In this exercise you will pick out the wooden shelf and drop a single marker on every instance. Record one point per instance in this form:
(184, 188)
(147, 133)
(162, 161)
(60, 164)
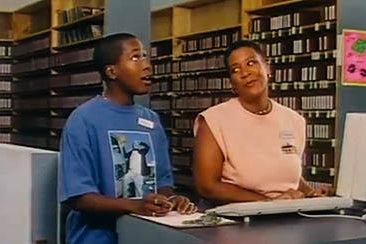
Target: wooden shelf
(74, 44)
(314, 56)
(5, 58)
(163, 39)
(6, 40)
(161, 57)
(202, 52)
(33, 35)
(318, 113)
(95, 18)
(201, 33)
(284, 6)
(287, 32)
(301, 85)
(197, 73)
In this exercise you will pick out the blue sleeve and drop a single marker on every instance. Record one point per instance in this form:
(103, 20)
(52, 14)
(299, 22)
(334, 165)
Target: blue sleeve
(163, 166)
(77, 169)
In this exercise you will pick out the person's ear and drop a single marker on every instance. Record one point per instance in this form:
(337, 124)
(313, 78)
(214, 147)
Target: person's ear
(110, 72)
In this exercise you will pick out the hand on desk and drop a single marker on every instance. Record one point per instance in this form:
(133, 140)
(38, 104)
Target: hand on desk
(182, 204)
(320, 192)
(290, 194)
(156, 205)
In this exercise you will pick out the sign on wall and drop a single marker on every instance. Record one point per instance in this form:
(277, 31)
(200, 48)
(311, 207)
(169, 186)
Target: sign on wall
(354, 57)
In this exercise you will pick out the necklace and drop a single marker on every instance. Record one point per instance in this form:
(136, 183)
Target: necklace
(266, 110)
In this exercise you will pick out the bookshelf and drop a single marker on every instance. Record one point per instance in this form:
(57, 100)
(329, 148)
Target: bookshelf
(188, 65)
(5, 77)
(31, 71)
(76, 26)
(300, 40)
(53, 70)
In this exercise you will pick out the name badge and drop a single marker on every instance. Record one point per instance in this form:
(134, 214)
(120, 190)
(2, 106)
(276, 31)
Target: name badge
(145, 123)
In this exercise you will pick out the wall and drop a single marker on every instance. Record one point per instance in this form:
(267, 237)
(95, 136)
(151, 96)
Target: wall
(11, 5)
(351, 15)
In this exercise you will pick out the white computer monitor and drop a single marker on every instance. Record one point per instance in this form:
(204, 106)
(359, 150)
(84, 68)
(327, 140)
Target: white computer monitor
(352, 168)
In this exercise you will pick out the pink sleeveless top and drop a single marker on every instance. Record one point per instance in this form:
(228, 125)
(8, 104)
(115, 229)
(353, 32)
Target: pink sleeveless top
(262, 153)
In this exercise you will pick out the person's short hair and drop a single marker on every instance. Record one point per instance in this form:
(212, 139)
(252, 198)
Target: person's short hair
(239, 44)
(108, 50)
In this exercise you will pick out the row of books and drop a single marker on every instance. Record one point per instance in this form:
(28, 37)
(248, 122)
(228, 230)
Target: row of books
(288, 101)
(164, 67)
(5, 121)
(30, 85)
(26, 122)
(162, 48)
(323, 131)
(49, 103)
(161, 86)
(294, 32)
(180, 160)
(5, 137)
(194, 102)
(5, 51)
(304, 45)
(180, 123)
(302, 18)
(5, 68)
(80, 33)
(57, 60)
(5, 103)
(5, 86)
(202, 63)
(319, 159)
(160, 104)
(201, 83)
(220, 39)
(73, 14)
(182, 141)
(34, 64)
(321, 102)
(307, 73)
(31, 46)
(317, 102)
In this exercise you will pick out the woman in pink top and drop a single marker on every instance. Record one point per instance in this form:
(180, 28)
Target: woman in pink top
(250, 147)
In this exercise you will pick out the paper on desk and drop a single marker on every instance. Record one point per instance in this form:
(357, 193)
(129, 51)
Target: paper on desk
(174, 219)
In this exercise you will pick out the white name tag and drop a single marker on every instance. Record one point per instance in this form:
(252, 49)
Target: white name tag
(145, 123)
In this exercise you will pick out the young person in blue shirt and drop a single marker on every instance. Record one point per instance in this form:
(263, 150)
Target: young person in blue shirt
(94, 146)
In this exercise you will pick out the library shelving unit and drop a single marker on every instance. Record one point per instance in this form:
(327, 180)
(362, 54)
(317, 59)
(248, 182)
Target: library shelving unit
(188, 66)
(5, 76)
(76, 26)
(300, 41)
(31, 71)
(53, 70)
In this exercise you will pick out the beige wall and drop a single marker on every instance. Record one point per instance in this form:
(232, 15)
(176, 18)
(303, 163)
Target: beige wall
(11, 5)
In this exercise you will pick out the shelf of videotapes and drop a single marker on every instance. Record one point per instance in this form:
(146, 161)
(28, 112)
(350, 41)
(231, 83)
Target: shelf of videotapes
(189, 83)
(31, 71)
(5, 90)
(300, 44)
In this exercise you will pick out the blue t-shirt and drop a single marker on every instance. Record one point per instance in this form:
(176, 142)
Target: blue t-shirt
(112, 150)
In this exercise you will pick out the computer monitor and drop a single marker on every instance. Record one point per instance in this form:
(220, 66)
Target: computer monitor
(352, 168)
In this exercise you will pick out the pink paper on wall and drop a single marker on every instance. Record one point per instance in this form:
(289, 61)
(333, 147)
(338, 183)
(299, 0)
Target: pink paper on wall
(354, 57)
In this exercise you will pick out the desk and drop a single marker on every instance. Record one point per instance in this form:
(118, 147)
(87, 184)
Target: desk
(282, 229)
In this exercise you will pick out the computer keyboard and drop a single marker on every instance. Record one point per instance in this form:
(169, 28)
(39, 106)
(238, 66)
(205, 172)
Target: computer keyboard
(282, 206)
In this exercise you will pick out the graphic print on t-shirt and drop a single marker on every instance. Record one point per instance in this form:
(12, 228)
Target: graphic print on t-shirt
(133, 162)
